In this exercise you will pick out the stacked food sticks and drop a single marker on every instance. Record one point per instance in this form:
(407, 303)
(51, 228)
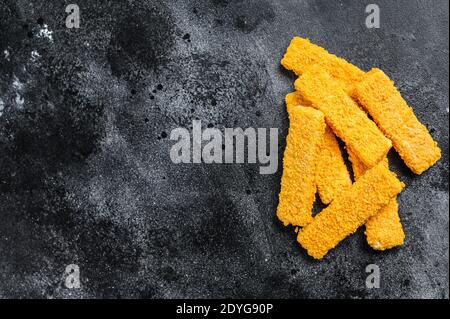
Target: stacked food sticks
(335, 98)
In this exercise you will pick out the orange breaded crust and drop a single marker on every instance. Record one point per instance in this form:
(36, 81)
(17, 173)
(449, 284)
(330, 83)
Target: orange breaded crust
(358, 167)
(332, 176)
(298, 188)
(349, 211)
(301, 54)
(343, 115)
(379, 96)
(384, 230)
(294, 99)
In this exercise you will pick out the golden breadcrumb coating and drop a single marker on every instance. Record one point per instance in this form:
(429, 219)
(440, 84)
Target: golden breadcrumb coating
(295, 98)
(332, 176)
(343, 115)
(301, 54)
(350, 210)
(379, 96)
(298, 189)
(358, 167)
(384, 230)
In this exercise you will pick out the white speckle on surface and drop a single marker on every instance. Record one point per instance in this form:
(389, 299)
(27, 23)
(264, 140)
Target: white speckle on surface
(44, 32)
(6, 54)
(19, 101)
(35, 55)
(17, 84)
(2, 106)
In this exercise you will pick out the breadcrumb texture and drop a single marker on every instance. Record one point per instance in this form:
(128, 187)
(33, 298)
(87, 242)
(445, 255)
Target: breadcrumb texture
(343, 115)
(379, 96)
(350, 210)
(301, 54)
(384, 230)
(298, 188)
(294, 99)
(332, 176)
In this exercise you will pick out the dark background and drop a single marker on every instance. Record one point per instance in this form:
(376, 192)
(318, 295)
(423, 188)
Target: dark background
(85, 173)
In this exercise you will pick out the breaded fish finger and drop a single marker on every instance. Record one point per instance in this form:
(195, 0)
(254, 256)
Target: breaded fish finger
(343, 115)
(298, 188)
(349, 211)
(396, 119)
(384, 230)
(301, 54)
(332, 176)
(294, 99)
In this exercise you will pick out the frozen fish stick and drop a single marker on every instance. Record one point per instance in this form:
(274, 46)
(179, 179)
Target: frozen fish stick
(384, 230)
(378, 95)
(358, 167)
(343, 115)
(301, 54)
(294, 99)
(332, 176)
(298, 188)
(291, 101)
(349, 211)
(331, 173)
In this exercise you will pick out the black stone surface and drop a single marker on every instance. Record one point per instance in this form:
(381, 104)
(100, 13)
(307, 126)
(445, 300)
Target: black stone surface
(85, 173)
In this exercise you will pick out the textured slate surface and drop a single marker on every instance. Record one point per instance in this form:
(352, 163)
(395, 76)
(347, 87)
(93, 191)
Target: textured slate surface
(85, 173)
